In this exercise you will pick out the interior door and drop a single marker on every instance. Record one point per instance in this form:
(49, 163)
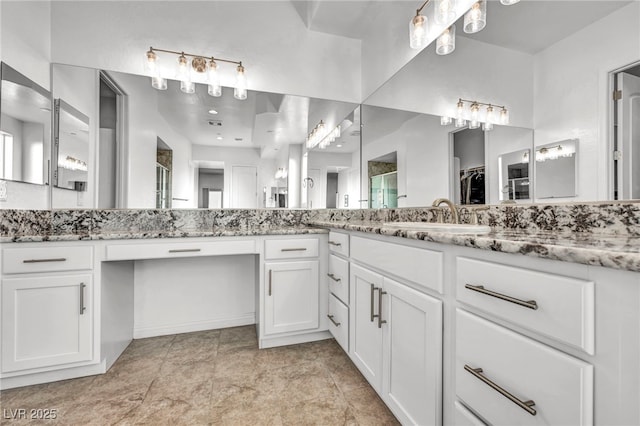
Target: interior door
(628, 122)
(244, 187)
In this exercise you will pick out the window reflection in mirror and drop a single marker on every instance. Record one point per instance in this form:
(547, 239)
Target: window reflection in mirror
(72, 147)
(556, 169)
(514, 172)
(25, 126)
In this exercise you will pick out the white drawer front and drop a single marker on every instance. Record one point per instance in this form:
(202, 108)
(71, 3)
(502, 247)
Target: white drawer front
(188, 249)
(291, 248)
(564, 307)
(339, 243)
(338, 278)
(418, 265)
(339, 322)
(560, 386)
(46, 259)
(464, 417)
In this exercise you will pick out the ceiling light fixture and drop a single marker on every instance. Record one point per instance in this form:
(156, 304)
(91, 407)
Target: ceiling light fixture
(418, 29)
(213, 112)
(199, 64)
(473, 114)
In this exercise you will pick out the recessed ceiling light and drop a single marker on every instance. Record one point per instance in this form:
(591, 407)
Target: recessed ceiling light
(219, 138)
(338, 146)
(213, 112)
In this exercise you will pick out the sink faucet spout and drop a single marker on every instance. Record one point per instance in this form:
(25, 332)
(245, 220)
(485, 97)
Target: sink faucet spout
(452, 207)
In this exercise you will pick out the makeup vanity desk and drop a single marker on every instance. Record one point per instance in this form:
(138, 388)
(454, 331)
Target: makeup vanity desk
(183, 282)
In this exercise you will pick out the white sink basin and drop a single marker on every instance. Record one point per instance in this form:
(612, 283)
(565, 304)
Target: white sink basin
(453, 228)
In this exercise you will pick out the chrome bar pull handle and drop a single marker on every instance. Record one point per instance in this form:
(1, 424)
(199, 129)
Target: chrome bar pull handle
(373, 290)
(56, 259)
(270, 281)
(337, 324)
(184, 250)
(333, 243)
(333, 277)
(525, 405)
(380, 320)
(82, 307)
(531, 304)
(294, 249)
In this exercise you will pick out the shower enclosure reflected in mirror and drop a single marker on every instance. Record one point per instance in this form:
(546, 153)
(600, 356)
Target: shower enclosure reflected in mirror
(72, 147)
(25, 127)
(556, 169)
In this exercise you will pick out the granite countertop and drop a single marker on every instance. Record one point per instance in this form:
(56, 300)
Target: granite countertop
(151, 234)
(618, 251)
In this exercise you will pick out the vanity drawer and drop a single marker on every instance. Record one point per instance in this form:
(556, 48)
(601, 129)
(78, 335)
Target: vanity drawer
(560, 386)
(183, 249)
(338, 278)
(339, 243)
(421, 266)
(339, 322)
(46, 259)
(564, 307)
(291, 248)
(464, 417)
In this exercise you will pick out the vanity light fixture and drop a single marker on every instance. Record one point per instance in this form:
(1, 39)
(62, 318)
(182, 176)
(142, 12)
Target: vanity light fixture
(281, 173)
(444, 11)
(418, 29)
(474, 115)
(476, 18)
(509, 2)
(72, 163)
(554, 152)
(321, 137)
(446, 42)
(190, 65)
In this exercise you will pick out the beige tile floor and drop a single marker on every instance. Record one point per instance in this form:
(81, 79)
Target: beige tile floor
(213, 377)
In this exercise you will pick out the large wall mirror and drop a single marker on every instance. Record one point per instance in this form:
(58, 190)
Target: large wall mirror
(169, 149)
(71, 148)
(552, 64)
(25, 128)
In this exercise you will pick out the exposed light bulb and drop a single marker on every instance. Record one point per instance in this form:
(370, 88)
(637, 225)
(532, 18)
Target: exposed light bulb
(446, 42)
(214, 88)
(490, 115)
(476, 18)
(444, 11)
(504, 116)
(509, 2)
(418, 31)
(460, 110)
(151, 63)
(240, 91)
(445, 121)
(474, 111)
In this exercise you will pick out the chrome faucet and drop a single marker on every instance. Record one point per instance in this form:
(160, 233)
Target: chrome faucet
(452, 207)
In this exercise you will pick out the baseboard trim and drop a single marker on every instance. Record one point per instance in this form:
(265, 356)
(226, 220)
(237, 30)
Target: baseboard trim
(52, 376)
(142, 332)
(273, 342)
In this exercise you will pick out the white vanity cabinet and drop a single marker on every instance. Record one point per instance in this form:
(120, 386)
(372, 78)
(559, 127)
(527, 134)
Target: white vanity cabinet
(47, 308)
(337, 280)
(396, 336)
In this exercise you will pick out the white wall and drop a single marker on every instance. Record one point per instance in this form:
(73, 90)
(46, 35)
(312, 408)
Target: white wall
(422, 147)
(25, 44)
(279, 53)
(572, 93)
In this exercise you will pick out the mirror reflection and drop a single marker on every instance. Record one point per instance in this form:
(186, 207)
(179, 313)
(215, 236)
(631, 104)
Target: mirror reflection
(514, 171)
(556, 169)
(72, 147)
(25, 126)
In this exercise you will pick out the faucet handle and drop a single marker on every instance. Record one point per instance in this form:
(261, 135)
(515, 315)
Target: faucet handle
(474, 213)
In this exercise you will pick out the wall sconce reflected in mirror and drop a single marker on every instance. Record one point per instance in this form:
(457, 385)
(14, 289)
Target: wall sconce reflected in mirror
(474, 115)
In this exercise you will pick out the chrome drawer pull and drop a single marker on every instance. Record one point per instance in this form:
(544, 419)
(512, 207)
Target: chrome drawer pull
(270, 281)
(373, 290)
(184, 250)
(57, 259)
(333, 277)
(294, 249)
(525, 405)
(82, 307)
(337, 324)
(333, 243)
(380, 320)
(531, 304)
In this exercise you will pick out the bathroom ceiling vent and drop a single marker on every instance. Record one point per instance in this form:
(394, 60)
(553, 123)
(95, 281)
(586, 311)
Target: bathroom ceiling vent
(214, 123)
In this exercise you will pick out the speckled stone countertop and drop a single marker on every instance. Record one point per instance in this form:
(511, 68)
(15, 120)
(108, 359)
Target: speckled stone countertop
(618, 251)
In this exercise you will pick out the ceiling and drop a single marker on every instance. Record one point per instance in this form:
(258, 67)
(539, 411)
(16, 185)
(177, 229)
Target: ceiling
(269, 122)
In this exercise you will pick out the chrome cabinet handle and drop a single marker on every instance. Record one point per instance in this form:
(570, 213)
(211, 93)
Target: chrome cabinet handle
(294, 249)
(56, 259)
(531, 304)
(82, 307)
(337, 324)
(333, 243)
(184, 250)
(380, 320)
(333, 277)
(270, 282)
(373, 290)
(525, 405)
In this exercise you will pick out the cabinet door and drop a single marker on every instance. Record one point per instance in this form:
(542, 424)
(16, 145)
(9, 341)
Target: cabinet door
(291, 296)
(365, 335)
(412, 361)
(46, 321)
